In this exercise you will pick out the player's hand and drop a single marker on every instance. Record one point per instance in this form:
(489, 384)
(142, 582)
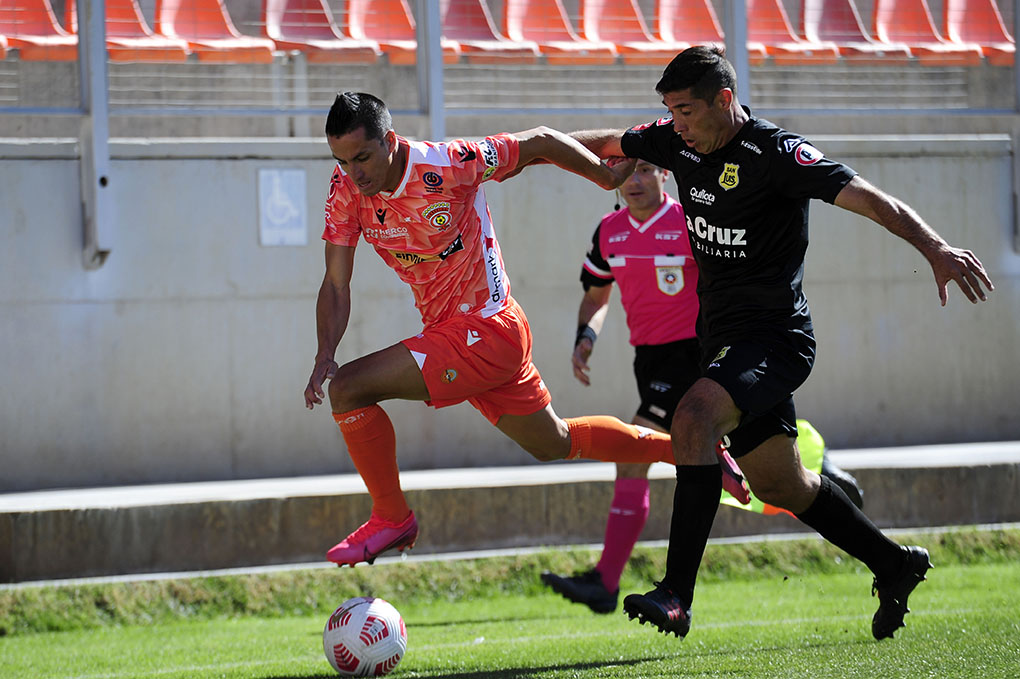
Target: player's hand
(580, 360)
(325, 369)
(949, 263)
(620, 168)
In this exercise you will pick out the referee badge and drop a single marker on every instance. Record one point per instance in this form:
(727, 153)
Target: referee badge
(729, 179)
(670, 278)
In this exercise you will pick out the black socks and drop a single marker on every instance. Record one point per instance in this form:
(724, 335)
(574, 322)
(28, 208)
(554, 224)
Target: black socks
(695, 503)
(840, 522)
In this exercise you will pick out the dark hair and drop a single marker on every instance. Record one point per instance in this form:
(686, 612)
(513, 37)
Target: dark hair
(351, 110)
(703, 69)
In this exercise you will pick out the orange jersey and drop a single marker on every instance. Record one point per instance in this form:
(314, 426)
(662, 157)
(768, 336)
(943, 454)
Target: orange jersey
(435, 229)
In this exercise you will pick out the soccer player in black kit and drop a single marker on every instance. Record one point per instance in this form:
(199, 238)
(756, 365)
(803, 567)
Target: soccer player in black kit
(745, 185)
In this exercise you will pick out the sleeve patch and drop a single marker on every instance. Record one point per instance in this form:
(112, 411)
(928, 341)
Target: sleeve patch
(489, 153)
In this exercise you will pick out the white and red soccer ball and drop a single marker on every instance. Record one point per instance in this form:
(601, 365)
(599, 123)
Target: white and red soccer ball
(365, 637)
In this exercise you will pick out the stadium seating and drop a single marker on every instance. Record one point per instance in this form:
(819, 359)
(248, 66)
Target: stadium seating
(545, 23)
(469, 24)
(979, 21)
(31, 27)
(207, 27)
(838, 21)
(910, 22)
(128, 36)
(391, 24)
(3, 47)
(769, 29)
(622, 23)
(694, 22)
(308, 27)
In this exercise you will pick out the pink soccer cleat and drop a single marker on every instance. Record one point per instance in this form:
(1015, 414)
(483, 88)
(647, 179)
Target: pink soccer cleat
(372, 538)
(732, 478)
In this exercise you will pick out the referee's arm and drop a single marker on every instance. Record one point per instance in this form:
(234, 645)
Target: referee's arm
(947, 262)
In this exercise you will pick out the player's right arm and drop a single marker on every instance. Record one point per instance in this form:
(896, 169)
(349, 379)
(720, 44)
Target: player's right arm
(332, 312)
(592, 314)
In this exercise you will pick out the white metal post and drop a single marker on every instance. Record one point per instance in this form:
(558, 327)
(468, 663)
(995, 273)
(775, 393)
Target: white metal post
(735, 30)
(93, 138)
(430, 68)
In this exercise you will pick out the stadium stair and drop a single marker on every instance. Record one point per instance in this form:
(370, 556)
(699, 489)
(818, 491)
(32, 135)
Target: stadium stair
(215, 525)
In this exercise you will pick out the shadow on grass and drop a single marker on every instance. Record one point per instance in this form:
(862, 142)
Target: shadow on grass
(516, 673)
(484, 621)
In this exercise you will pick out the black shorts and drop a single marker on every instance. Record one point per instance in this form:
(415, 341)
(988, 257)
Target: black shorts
(760, 376)
(664, 373)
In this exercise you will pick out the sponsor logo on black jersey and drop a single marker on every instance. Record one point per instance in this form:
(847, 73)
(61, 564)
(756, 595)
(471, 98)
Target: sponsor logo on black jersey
(806, 154)
(716, 241)
(702, 196)
(791, 144)
(749, 145)
(690, 156)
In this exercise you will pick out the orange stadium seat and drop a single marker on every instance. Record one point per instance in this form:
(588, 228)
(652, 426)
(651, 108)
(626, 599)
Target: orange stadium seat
(837, 21)
(128, 36)
(621, 23)
(910, 22)
(391, 24)
(545, 22)
(210, 32)
(695, 22)
(308, 27)
(31, 27)
(979, 21)
(768, 26)
(469, 24)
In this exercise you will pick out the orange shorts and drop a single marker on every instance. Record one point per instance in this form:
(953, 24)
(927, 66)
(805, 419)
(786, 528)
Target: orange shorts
(484, 361)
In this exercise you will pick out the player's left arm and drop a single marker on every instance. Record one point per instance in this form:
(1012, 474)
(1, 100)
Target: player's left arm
(549, 145)
(947, 262)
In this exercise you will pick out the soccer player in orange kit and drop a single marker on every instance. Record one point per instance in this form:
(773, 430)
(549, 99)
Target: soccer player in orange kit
(420, 205)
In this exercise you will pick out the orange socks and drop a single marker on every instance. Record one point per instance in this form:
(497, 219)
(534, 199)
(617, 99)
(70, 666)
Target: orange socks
(372, 446)
(601, 437)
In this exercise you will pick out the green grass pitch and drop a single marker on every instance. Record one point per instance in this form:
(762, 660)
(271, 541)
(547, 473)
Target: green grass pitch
(773, 622)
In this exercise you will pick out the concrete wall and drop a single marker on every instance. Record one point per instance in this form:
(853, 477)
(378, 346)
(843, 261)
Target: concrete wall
(184, 357)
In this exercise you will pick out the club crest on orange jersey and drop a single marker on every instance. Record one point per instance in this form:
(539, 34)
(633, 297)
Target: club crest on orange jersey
(438, 215)
(729, 178)
(449, 376)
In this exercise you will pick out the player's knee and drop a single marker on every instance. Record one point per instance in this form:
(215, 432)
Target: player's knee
(691, 434)
(345, 392)
(784, 493)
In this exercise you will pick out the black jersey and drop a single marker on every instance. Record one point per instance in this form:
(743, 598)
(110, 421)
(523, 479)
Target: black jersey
(747, 217)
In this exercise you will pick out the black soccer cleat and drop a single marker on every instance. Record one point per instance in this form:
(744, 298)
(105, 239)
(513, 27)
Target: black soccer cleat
(584, 588)
(662, 608)
(892, 594)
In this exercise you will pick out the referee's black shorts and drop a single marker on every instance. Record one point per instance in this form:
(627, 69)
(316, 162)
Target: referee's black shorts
(760, 375)
(664, 373)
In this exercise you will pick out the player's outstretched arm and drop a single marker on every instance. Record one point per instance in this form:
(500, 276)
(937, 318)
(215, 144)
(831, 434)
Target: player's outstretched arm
(544, 143)
(947, 262)
(332, 311)
(603, 143)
